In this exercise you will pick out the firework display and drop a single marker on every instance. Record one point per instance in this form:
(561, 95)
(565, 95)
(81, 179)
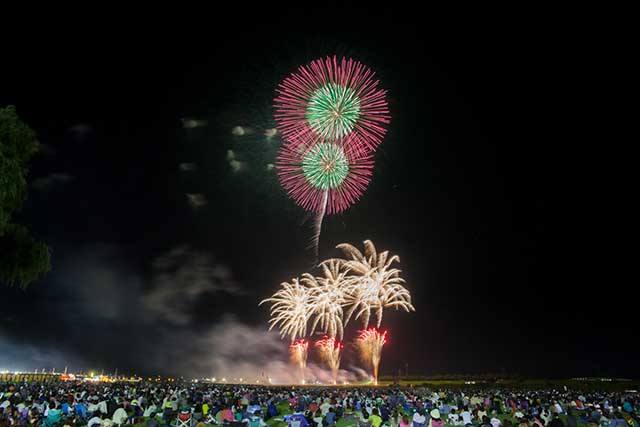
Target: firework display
(299, 353)
(370, 342)
(290, 309)
(358, 285)
(325, 178)
(373, 285)
(327, 299)
(331, 100)
(332, 116)
(329, 349)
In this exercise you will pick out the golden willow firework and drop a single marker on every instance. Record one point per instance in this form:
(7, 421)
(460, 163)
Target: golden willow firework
(327, 299)
(299, 351)
(329, 349)
(371, 284)
(370, 341)
(290, 309)
(359, 284)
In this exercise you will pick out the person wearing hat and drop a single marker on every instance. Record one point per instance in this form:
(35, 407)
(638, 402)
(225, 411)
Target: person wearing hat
(435, 420)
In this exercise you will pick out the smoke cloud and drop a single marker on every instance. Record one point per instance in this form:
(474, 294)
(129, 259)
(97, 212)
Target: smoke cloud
(109, 316)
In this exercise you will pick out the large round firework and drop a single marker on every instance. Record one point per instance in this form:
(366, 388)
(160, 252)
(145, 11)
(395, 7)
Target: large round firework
(331, 100)
(326, 177)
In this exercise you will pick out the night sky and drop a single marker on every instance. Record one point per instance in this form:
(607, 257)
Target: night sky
(480, 187)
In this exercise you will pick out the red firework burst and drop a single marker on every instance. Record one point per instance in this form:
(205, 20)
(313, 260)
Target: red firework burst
(326, 178)
(330, 100)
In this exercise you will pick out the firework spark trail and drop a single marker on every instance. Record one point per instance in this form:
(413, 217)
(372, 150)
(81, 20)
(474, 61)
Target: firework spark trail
(372, 285)
(329, 349)
(327, 299)
(371, 341)
(299, 353)
(317, 229)
(326, 179)
(290, 309)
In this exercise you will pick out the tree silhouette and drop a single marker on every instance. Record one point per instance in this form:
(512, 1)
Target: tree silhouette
(22, 259)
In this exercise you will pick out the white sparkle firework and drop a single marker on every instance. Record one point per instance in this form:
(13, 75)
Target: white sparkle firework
(372, 285)
(290, 309)
(327, 298)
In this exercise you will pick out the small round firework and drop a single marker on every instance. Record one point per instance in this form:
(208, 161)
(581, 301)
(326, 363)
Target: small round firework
(325, 166)
(326, 177)
(332, 101)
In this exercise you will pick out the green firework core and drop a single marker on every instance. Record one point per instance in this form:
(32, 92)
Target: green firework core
(325, 166)
(333, 111)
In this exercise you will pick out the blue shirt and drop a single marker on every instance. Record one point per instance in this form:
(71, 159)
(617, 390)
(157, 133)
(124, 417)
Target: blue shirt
(81, 410)
(331, 418)
(301, 418)
(272, 410)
